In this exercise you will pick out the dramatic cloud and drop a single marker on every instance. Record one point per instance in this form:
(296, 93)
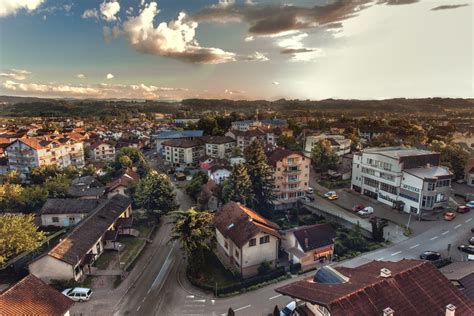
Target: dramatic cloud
(109, 76)
(17, 74)
(257, 56)
(91, 14)
(449, 6)
(8, 7)
(174, 39)
(108, 10)
(293, 46)
(80, 76)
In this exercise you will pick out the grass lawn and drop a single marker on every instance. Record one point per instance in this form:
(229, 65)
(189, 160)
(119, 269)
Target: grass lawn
(213, 271)
(105, 259)
(132, 246)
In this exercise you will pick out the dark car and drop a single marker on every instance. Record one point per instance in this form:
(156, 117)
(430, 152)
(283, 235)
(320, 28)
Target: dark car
(467, 249)
(357, 208)
(430, 255)
(471, 240)
(463, 209)
(310, 197)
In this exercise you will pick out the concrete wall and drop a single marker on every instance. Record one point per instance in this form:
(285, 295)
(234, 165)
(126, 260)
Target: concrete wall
(47, 268)
(254, 256)
(47, 219)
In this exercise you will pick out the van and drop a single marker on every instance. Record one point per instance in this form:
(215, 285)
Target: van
(78, 294)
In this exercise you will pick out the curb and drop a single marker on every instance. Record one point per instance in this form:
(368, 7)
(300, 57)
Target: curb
(178, 278)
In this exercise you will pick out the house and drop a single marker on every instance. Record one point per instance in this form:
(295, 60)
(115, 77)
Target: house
(461, 275)
(218, 146)
(309, 245)
(120, 184)
(406, 287)
(340, 145)
(86, 187)
(408, 179)
(32, 296)
(102, 151)
(469, 172)
(245, 125)
(168, 135)
(244, 139)
(73, 257)
(219, 173)
(245, 239)
(66, 212)
(291, 176)
(183, 153)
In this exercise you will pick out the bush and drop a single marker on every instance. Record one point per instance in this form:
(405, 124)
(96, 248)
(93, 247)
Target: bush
(264, 268)
(295, 267)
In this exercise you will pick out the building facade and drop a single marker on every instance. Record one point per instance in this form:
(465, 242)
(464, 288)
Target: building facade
(101, 151)
(183, 153)
(218, 146)
(339, 144)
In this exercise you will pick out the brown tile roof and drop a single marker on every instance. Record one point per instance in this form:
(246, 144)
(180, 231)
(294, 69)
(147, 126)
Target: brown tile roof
(31, 296)
(319, 235)
(81, 239)
(217, 139)
(32, 142)
(183, 143)
(278, 154)
(240, 224)
(128, 177)
(414, 288)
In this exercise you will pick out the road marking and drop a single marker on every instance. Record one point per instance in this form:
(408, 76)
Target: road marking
(468, 220)
(414, 246)
(379, 259)
(163, 269)
(457, 226)
(445, 232)
(200, 301)
(189, 296)
(241, 308)
(276, 296)
(396, 253)
(435, 237)
(139, 308)
(213, 302)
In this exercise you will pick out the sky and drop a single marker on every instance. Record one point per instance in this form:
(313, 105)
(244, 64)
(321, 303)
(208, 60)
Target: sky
(237, 49)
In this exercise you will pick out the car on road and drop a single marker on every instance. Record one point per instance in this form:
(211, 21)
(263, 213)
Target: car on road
(470, 204)
(366, 211)
(310, 190)
(463, 209)
(430, 255)
(310, 197)
(471, 240)
(357, 208)
(289, 309)
(78, 294)
(305, 199)
(467, 249)
(449, 216)
(330, 193)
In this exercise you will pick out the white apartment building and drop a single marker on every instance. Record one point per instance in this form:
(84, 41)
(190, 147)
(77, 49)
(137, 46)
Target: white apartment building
(102, 151)
(183, 153)
(407, 179)
(245, 125)
(27, 153)
(218, 146)
(339, 143)
(244, 139)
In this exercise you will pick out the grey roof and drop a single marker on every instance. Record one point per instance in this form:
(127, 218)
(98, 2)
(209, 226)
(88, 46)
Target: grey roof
(430, 172)
(69, 206)
(86, 186)
(398, 152)
(179, 134)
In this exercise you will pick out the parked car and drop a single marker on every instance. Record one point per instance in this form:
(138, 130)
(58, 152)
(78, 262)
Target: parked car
(289, 309)
(449, 216)
(366, 211)
(78, 294)
(463, 209)
(470, 204)
(305, 199)
(310, 197)
(467, 249)
(471, 240)
(357, 208)
(329, 194)
(310, 190)
(430, 255)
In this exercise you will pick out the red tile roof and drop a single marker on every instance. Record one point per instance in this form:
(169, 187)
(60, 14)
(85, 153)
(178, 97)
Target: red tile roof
(127, 178)
(414, 288)
(31, 296)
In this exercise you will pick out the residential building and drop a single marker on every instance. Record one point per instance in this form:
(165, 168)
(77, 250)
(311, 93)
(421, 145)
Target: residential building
(219, 173)
(245, 125)
(66, 212)
(163, 136)
(218, 146)
(461, 275)
(27, 153)
(469, 172)
(340, 145)
(102, 151)
(274, 123)
(245, 239)
(183, 153)
(32, 296)
(291, 176)
(86, 187)
(406, 287)
(74, 255)
(411, 180)
(309, 245)
(244, 139)
(122, 183)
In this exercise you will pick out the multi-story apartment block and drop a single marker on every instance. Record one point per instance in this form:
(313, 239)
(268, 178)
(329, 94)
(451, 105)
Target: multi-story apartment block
(27, 153)
(164, 136)
(183, 152)
(339, 144)
(244, 139)
(245, 125)
(407, 179)
(102, 151)
(291, 176)
(219, 146)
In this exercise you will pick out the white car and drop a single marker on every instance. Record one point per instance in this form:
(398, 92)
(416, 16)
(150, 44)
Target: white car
(470, 204)
(78, 294)
(329, 194)
(310, 190)
(289, 309)
(366, 211)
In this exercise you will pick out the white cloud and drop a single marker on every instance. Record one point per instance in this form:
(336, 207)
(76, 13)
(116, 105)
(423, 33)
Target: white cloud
(257, 56)
(108, 10)
(129, 11)
(111, 33)
(174, 39)
(109, 76)
(275, 83)
(16, 74)
(68, 7)
(80, 76)
(225, 3)
(90, 14)
(8, 7)
(249, 38)
(294, 47)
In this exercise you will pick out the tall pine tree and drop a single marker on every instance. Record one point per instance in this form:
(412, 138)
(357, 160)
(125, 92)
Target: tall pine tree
(238, 187)
(261, 175)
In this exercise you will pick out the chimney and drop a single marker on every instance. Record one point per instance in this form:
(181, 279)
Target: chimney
(306, 242)
(450, 310)
(385, 273)
(388, 312)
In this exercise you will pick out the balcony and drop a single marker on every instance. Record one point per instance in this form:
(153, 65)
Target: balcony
(291, 171)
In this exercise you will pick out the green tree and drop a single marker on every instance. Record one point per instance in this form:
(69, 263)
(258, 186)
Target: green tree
(355, 239)
(12, 177)
(137, 158)
(238, 187)
(18, 233)
(88, 170)
(58, 186)
(33, 198)
(194, 187)
(453, 156)
(39, 175)
(378, 226)
(322, 156)
(155, 193)
(386, 139)
(195, 233)
(261, 176)
(11, 197)
(289, 142)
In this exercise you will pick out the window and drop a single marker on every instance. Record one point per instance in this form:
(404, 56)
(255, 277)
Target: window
(265, 239)
(252, 242)
(371, 182)
(388, 188)
(443, 183)
(430, 186)
(237, 254)
(55, 219)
